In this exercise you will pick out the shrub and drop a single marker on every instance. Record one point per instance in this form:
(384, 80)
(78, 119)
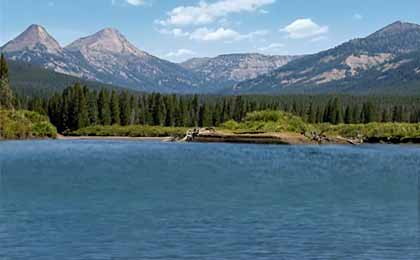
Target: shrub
(25, 124)
(130, 131)
(269, 121)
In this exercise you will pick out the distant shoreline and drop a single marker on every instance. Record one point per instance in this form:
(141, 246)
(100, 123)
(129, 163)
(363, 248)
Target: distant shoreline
(116, 138)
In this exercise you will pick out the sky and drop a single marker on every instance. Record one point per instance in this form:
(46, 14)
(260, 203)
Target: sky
(178, 30)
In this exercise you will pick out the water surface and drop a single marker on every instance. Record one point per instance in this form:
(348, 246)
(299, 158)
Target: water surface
(149, 200)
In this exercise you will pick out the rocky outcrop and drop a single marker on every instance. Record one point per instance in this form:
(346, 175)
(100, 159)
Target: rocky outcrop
(227, 70)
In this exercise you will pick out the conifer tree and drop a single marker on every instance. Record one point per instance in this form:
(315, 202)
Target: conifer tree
(337, 114)
(83, 112)
(347, 116)
(93, 107)
(104, 111)
(6, 94)
(125, 108)
(311, 114)
(115, 108)
(134, 115)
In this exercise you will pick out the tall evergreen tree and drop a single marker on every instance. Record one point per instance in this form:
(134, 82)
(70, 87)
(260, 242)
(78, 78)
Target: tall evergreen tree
(93, 107)
(6, 94)
(347, 116)
(134, 115)
(115, 108)
(125, 108)
(83, 112)
(158, 110)
(311, 115)
(104, 110)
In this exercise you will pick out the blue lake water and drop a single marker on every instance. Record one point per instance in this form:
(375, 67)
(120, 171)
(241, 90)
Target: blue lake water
(150, 200)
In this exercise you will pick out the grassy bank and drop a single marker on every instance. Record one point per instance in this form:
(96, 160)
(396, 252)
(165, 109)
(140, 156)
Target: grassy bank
(269, 121)
(375, 132)
(272, 122)
(276, 121)
(130, 131)
(23, 124)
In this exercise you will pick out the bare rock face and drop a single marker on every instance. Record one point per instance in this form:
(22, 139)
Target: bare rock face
(384, 59)
(35, 38)
(107, 40)
(115, 60)
(106, 56)
(36, 46)
(227, 70)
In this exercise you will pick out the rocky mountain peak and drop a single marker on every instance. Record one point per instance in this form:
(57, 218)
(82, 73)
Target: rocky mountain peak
(106, 40)
(34, 38)
(395, 28)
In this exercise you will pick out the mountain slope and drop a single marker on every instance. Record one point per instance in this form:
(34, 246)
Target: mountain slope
(106, 56)
(115, 60)
(34, 38)
(37, 46)
(353, 67)
(28, 79)
(227, 70)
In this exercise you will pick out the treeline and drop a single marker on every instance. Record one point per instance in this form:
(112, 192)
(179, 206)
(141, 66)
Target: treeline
(7, 98)
(79, 107)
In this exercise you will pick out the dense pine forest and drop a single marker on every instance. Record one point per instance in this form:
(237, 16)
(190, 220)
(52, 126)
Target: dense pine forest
(78, 106)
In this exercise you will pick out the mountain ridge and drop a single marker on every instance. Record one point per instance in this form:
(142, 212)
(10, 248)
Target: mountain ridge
(35, 36)
(374, 62)
(106, 56)
(344, 67)
(227, 69)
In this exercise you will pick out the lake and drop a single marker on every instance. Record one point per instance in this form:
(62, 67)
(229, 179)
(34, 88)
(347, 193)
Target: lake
(152, 200)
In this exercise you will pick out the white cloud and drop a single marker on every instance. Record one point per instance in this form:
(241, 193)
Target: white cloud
(129, 2)
(222, 34)
(272, 47)
(357, 17)
(135, 2)
(180, 53)
(205, 13)
(304, 28)
(177, 32)
(204, 34)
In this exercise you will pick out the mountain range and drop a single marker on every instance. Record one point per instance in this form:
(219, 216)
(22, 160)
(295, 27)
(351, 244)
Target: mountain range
(108, 57)
(226, 70)
(385, 62)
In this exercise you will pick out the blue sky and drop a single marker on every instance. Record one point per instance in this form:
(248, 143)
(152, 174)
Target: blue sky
(177, 30)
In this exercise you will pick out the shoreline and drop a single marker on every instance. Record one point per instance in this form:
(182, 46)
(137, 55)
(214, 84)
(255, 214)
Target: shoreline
(115, 138)
(284, 138)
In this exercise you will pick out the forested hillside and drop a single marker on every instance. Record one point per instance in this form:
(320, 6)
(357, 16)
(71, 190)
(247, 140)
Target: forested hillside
(31, 80)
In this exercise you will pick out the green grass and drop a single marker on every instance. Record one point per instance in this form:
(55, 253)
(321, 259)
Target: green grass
(131, 131)
(373, 130)
(24, 124)
(277, 121)
(269, 121)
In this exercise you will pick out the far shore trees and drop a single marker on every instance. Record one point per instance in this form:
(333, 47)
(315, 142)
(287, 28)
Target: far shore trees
(6, 94)
(78, 107)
